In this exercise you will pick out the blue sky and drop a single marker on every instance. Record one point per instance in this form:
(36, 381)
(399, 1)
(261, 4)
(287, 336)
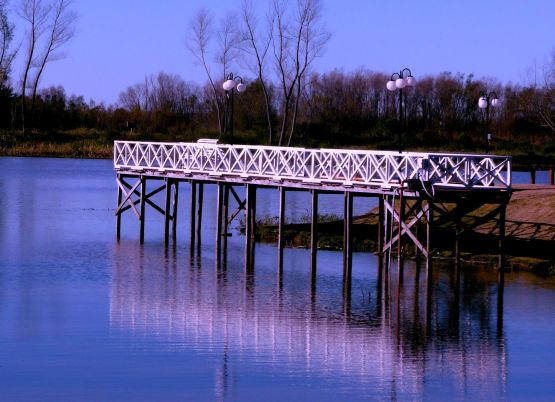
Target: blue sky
(118, 42)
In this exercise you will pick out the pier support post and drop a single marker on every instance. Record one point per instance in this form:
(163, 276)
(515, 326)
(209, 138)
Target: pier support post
(281, 223)
(174, 212)
(250, 219)
(347, 238)
(219, 213)
(429, 238)
(167, 216)
(314, 234)
(118, 213)
(381, 233)
(502, 225)
(199, 216)
(225, 214)
(399, 240)
(429, 259)
(142, 209)
(192, 220)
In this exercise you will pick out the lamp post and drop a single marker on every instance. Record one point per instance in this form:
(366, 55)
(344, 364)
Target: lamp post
(399, 81)
(484, 102)
(230, 84)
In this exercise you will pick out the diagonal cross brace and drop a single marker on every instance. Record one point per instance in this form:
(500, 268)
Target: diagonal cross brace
(405, 228)
(131, 204)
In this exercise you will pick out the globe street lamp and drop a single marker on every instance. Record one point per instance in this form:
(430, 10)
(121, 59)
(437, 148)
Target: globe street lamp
(399, 81)
(230, 84)
(484, 102)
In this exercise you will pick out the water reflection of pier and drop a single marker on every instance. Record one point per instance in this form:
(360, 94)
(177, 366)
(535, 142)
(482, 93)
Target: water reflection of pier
(387, 335)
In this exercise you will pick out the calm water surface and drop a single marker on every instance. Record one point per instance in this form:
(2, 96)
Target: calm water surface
(84, 317)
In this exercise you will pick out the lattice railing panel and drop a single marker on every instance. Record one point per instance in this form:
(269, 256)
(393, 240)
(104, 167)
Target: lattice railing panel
(334, 166)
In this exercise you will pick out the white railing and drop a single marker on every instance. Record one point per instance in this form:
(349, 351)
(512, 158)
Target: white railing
(325, 166)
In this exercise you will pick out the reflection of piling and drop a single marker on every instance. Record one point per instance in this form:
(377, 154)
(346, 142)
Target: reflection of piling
(280, 227)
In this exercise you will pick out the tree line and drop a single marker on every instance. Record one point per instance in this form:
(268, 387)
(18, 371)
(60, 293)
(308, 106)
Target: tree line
(285, 101)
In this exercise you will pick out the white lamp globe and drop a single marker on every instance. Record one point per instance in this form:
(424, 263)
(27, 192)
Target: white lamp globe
(494, 102)
(228, 85)
(400, 83)
(482, 102)
(241, 87)
(411, 81)
(391, 85)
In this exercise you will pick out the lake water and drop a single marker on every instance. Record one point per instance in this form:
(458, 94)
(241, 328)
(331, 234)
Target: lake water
(84, 317)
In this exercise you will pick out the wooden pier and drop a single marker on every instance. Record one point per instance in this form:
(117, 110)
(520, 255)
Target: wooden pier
(412, 189)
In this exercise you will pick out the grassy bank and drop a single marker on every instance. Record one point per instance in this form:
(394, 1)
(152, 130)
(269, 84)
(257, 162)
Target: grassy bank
(81, 143)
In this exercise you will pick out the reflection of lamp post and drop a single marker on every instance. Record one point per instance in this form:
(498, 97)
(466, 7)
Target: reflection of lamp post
(400, 80)
(484, 102)
(229, 86)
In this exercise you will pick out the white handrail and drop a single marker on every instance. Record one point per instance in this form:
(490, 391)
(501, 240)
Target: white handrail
(333, 166)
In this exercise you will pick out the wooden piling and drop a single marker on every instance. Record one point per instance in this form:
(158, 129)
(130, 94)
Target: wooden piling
(167, 215)
(250, 213)
(429, 259)
(225, 214)
(551, 176)
(533, 175)
(192, 220)
(399, 240)
(429, 238)
(142, 209)
(314, 233)
(502, 224)
(219, 213)
(381, 233)
(174, 212)
(118, 214)
(199, 216)
(281, 222)
(347, 237)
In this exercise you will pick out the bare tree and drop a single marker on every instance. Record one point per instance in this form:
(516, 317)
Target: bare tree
(298, 39)
(61, 29)
(200, 35)
(35, 14)
(6, 38)
(257, 45)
